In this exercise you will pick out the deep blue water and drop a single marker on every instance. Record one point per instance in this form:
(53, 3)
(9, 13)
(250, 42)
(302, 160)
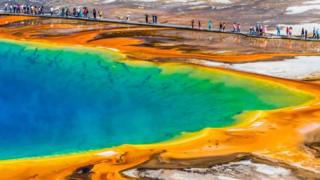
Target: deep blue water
(63, 100)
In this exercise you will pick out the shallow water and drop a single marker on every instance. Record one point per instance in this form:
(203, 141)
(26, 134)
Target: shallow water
(63, 100)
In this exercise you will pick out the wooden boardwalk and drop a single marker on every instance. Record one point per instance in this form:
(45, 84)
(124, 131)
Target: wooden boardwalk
(175, 26)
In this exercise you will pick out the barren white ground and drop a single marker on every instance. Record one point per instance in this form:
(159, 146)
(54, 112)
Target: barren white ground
(300, 68)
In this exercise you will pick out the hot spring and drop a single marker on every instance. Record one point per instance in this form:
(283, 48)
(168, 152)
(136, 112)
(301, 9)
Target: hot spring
(60, 100)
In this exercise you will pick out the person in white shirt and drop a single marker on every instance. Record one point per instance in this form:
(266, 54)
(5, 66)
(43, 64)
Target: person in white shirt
(51, 11)
(6, 7)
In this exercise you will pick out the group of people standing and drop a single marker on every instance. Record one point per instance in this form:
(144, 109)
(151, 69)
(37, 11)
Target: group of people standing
(315, 33)
(77, 12)
(23, 8)
(193, 24)
(154, 19)
(236, 27)
(304, 32)
(222, 25)
(258, 30)
(289, 31)
(65, 12)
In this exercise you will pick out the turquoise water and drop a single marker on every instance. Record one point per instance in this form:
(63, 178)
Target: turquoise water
(63, 100)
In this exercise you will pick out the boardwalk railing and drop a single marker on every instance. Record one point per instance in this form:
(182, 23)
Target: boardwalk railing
(175, 26)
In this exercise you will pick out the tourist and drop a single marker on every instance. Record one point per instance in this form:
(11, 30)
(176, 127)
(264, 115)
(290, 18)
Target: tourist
(35, 10)
(28, 9)
(220, 26)
(85, 12)
(302, 33)
(81, 13)
(74, 12)
(17, 8)
(278, 30)
(199, 24)
(147, 18)
(264, 30)
(24, 7)
(251, 30)
(238, 27)
(306, 34)
(11, 8)
(223, 26)
(51, 11)
(290, 31)
(100, 13)
(192, 23)
(234, 25)
(153, 19)
(257, 29)
(254, 31)
(318, 33)
(128, 17)
(39, 11)
(68, 13)
(60, 11)
(78, 12)
(94, 12)
(6, 7)
(31, 9)
(314, 33)
(209, 24)
(42, 10)
(21, 7)
(14, 8)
